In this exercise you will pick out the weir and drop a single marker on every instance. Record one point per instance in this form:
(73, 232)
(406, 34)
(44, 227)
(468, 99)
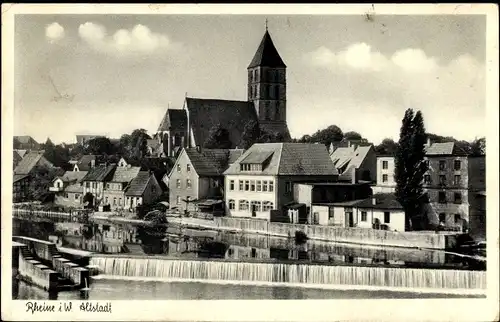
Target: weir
(305, 274)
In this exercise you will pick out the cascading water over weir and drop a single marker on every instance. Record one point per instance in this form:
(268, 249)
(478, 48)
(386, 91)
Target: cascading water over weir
(304, 275)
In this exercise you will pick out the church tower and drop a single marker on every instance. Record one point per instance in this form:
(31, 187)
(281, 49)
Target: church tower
(267, 87)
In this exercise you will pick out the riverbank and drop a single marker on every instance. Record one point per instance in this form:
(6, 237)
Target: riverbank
(362, 236)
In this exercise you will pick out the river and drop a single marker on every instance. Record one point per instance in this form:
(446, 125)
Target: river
(125, 240)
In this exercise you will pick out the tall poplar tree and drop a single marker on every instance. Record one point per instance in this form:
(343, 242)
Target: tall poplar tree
(410, 165)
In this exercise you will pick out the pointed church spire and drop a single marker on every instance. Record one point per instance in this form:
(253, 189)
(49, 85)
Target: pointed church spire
(267, 55)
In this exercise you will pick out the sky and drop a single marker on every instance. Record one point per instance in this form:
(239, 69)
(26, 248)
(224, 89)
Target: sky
(117, 73)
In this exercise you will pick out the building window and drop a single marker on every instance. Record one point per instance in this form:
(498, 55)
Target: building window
(385, 178)
(271, 186)
(442, 165)
(178, 168)
(457, 218)
(264, 185)
(442, 180)
(214, 183)
(231, 185)
(427, 179)
(259, 186)
(241, 185)
(243, 205)
(77, 196)
(252, 185)
(106, 201)
(442, 217)
(363, 216)
(178, 200)
(457, 164)
(138, 201)
(277, 92)
(188, 183)
(267, 205)
(256, 205)
(387, 217)
(247, 185)
(107, 185)
(427, 164)
(458, 197)
(120, 202)
(457, 180)
(442, 197)
(178, 183)
(385, 165)
(114, 201)
(232, 204)
(188, 167)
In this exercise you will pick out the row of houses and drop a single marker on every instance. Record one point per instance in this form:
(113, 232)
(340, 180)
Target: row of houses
(108, 187)
(91, 182)
(346, 185)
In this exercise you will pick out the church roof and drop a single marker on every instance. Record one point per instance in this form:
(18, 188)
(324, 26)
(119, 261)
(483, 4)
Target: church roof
(174, 119)
(232, 115)
(267, 55)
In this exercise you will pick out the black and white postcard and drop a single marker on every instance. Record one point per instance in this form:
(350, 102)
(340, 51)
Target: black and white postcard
(249, 162)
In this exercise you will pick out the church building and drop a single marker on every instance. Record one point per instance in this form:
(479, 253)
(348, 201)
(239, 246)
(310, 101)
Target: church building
(266, 103)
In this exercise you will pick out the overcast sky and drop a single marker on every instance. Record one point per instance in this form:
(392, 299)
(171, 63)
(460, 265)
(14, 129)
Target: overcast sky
(361, 75)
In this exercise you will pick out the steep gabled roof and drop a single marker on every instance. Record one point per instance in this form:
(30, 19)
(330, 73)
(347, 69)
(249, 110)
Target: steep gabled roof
(446, 148)
(208, 162)
(288, 159)
(18, 177)
(174, 119)
(21, 153)
(267, 55)
(125, 174)
(231, 115)
(234, 154)
(358, 156)
(139, 184)
(100, 173)
(29, 161)
(84, 164)
(73, 176)
(25, 139)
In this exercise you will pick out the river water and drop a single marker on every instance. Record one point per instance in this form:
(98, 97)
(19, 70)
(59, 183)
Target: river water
(125, 240)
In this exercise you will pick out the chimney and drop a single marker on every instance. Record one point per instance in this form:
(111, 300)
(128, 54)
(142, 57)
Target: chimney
(428, 141)
(182, 141)
(374, 201)
(198, 148)
(92, 163)
(353, 176)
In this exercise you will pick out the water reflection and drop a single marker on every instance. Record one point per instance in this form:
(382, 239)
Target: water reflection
(105, 237)
(135, 290)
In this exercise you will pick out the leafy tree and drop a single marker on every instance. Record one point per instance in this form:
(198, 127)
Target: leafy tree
(251, 134)
(352, 135)
(218, 138)
(99, 146)
(478, 147)
(387, 147)
(326, 136)
(40, 180)
(410, 165)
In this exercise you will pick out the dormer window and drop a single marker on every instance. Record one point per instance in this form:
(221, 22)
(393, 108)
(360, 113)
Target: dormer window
(251, 167)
